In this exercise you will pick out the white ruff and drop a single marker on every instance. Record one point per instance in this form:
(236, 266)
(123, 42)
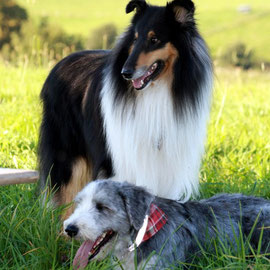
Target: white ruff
(149, 147)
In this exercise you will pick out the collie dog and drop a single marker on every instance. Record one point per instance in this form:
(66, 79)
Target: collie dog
(137, 113)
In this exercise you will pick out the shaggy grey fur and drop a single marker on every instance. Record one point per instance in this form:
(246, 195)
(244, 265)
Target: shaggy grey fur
(189, 224)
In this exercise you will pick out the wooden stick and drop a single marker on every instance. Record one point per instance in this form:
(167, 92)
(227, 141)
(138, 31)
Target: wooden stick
(14, 176)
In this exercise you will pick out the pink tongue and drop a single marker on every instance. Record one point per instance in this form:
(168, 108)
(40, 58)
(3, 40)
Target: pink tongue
(138, 83)
(82, 255)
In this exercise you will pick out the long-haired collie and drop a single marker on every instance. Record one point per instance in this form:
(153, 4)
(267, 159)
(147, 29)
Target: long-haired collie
(137, 113)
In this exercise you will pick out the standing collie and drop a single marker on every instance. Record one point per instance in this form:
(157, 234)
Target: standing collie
(137, 112)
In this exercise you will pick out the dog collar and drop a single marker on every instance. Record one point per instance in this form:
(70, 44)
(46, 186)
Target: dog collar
(151, 225)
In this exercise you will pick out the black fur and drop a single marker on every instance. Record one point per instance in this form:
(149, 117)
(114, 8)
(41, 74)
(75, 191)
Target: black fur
(140, 5)
(64, 134)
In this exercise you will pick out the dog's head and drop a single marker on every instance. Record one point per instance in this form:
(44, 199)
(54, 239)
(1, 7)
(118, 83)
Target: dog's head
(152, 37)
(106, 211)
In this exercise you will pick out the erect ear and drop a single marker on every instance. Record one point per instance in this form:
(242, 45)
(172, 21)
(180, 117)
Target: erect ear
(183, 10)
(140, 6)
(137, 203)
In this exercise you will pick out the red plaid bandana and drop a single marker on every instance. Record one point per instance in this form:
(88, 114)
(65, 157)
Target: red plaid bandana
(156, 220)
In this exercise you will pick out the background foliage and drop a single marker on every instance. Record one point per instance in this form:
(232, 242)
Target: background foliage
(12, 16)
(73, 26)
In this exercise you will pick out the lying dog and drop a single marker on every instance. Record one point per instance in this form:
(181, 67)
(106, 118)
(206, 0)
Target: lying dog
(121, 217)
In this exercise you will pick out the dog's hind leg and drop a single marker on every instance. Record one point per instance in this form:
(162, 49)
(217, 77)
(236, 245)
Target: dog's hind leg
(80, 176)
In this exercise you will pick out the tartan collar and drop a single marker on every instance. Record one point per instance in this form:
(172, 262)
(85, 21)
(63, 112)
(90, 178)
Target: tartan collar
(156, 220)
(151, 225)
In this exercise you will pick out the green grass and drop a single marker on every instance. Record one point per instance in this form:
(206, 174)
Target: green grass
(220, 22)
(20, 114)
(237, 160)
(238, 157)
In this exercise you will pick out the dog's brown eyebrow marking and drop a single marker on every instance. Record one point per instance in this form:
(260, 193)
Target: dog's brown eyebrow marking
(151, 34)
(132, 46)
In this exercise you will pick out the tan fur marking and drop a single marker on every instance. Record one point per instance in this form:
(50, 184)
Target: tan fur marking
(180, 14)
(93, 66)
(131, 49)
(85, 95)
(81, 175)
(151, 34)
(132, 46)
(172, 56)
(168, 54)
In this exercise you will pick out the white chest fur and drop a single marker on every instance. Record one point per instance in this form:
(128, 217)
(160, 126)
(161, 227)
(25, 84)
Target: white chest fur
(149, 146)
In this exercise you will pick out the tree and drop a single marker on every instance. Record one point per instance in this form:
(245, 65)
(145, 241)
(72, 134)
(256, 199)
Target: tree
(103, 37)
(12, 16)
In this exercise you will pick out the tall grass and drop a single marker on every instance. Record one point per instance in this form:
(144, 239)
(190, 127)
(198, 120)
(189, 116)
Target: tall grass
(237, 156)
(30, 233)
(20, 114)
(237, 159)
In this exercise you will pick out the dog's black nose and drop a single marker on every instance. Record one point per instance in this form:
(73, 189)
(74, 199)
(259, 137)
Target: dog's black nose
(72, 230)
(127, 73)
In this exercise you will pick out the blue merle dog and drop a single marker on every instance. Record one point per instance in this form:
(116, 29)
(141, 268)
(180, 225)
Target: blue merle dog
(114, 217)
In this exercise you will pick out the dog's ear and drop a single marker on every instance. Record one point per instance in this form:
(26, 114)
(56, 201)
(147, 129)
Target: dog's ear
(183, 10)
(140, 6)
(137, 203)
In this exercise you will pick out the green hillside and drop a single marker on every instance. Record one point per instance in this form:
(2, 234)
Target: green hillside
(219, 21)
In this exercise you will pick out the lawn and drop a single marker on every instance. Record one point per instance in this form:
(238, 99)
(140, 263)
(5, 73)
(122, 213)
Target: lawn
(237, 157)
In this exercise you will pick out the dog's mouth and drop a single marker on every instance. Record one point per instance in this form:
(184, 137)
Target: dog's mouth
(89, 249)
(151, 73)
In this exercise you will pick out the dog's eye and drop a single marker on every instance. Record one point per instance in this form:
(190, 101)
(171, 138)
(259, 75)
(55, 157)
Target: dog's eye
(154, 40)
(100, 207)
